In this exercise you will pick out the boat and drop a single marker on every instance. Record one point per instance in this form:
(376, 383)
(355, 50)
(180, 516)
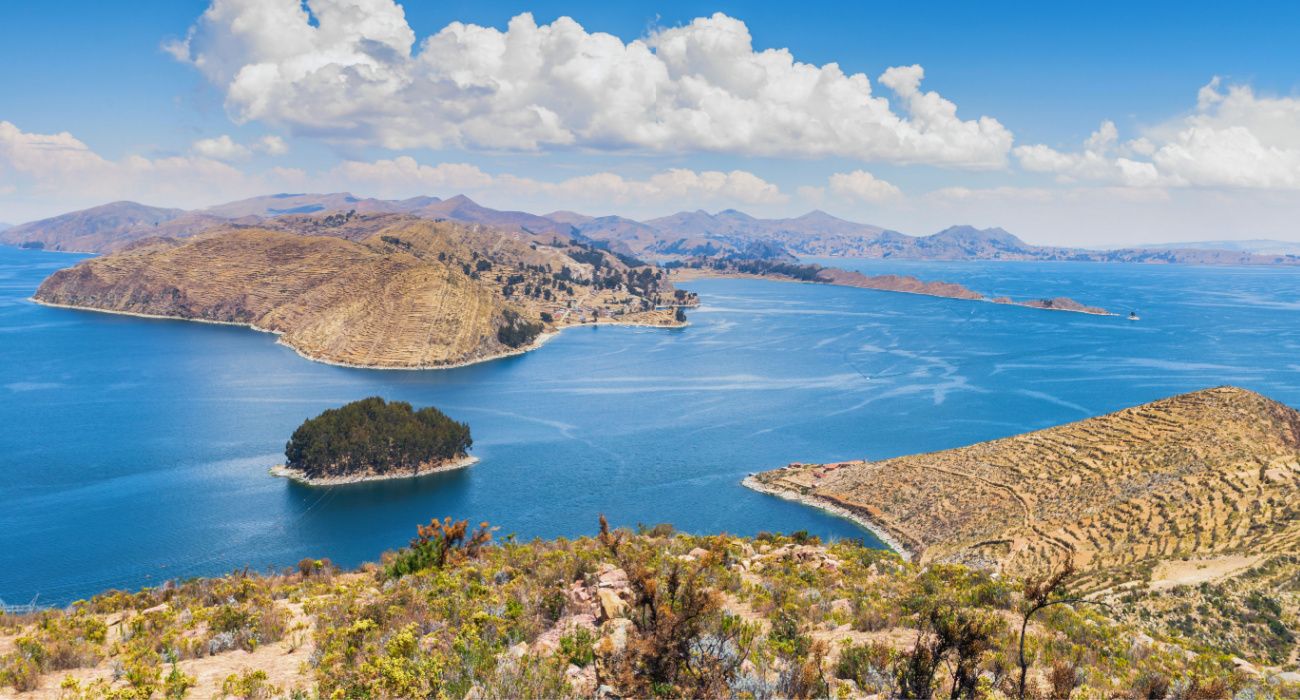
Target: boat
(1132, 315)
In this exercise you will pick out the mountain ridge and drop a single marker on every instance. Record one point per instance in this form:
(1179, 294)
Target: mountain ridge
(728, 232)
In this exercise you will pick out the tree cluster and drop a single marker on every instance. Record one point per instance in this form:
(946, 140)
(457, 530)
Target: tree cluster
(375, 436)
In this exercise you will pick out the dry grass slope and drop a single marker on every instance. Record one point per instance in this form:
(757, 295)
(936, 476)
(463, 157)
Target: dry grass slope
(1201, 474)
(402, 293)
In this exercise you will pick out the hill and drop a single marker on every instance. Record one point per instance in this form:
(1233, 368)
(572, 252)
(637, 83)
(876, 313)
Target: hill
(100, 228)
(408, 293)
(622, 614)
(1201, 475)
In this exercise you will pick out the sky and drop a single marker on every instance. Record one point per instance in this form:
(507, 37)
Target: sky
(1097, 123)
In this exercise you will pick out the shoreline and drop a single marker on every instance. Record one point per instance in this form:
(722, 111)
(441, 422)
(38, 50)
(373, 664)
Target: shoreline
(689, 277)
(537, 342)
(295, 475)
(858, 519)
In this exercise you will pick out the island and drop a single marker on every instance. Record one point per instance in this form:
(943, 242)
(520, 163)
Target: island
(373, 439)
(383, 291)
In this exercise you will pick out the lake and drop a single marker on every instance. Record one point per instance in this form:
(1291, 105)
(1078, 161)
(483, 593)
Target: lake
(133, 451)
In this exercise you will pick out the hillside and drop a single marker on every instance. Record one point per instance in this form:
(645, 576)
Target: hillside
(1202, 475)
(651, 614)
(411, 294)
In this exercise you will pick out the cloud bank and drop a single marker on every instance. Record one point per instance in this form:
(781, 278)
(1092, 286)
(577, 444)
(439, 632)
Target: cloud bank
(1233, 139)
(352, 71)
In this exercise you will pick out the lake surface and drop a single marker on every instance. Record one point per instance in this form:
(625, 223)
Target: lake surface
(133, 451)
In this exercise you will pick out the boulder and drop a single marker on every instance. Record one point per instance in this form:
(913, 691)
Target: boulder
(611, 605)
(614, 635)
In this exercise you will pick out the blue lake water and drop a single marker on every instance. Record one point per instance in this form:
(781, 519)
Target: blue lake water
(133, 451)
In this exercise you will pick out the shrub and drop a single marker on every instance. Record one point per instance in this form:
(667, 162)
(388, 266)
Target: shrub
(516, 331)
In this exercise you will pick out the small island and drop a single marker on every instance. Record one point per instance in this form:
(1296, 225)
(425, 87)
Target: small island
(373, 439)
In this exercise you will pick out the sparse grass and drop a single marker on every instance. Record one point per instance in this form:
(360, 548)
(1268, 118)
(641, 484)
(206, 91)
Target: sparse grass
(703, 616)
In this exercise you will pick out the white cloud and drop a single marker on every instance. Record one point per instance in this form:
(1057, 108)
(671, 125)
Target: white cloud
(862, 185)
(44, 174)
(272, 146)
(225, 148)
(1234, 139)
(351, 70)
(221, 148)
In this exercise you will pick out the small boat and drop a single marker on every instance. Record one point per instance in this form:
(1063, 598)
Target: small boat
(1132, 315)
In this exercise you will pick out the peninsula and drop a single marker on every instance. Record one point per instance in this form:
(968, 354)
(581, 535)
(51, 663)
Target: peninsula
(1181, 513)
(1203, 474)
(696, 268)
(371, 440)
(378, 291)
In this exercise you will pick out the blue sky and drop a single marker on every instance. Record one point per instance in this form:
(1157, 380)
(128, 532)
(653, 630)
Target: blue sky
(1180, 163)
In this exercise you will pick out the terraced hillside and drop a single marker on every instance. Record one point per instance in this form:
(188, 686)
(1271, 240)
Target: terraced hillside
(1200, 475)
(414, 293)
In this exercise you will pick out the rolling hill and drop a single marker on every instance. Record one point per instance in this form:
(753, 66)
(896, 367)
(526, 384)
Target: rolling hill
(380, 291)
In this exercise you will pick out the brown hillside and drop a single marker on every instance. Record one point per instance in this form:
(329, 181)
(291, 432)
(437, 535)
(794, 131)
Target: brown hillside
(1197, 475)
(415, 294)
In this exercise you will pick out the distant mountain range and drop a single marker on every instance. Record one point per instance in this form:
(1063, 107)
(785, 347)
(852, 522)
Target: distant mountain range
(728, 233)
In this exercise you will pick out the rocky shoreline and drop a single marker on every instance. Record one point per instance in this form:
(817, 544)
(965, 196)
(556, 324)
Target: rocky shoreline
(537, 342)
(281, 470)
(834, 509)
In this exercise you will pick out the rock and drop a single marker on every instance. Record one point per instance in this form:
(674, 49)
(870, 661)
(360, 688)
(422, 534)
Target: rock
(517, 651)
(611, 606)
(608, 576)
(548, 641)
(581, 679)
(614, 637)
(698, 553)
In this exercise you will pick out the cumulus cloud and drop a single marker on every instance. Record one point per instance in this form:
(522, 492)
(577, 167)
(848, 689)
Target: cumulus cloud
(1233, 139)
(221, 148)
(862, 185)
(272, 146)
(352, 71)
(225, 148)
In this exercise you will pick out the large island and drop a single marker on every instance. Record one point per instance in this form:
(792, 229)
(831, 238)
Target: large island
(387, 292)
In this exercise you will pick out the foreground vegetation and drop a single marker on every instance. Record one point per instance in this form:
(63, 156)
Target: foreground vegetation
(646, 614)
(373, 436)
